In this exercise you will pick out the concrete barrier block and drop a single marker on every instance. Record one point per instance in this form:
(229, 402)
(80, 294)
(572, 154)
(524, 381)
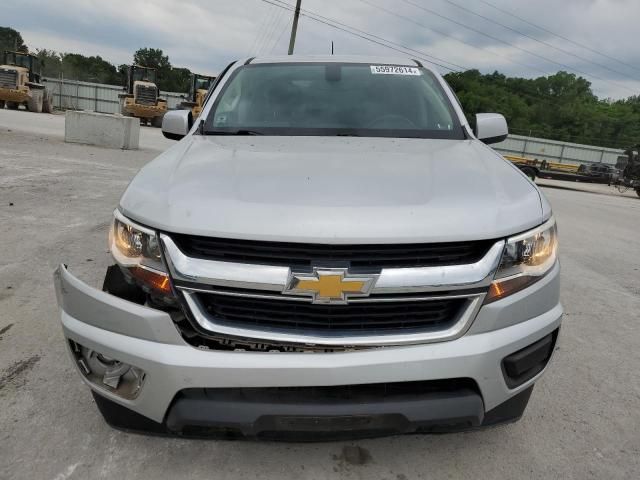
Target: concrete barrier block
(104, 130)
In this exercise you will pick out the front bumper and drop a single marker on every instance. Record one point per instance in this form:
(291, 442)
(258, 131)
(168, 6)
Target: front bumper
(148, 339)
(14, 95)
(145, 111)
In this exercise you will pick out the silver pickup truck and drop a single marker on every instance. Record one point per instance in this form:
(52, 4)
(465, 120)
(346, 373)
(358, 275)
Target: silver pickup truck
(329, 250)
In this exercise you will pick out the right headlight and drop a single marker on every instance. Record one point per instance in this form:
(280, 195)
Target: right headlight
(525, 260)
(137, 250)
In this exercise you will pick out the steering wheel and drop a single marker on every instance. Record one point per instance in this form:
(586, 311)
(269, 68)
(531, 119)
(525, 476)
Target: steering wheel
(393, 117)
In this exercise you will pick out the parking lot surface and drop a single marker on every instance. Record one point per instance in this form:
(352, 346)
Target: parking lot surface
(56, 202)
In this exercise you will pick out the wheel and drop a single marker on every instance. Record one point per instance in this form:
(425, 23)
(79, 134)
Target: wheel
(12, 105)
(621, 187)
(47, 102)
(1, 104)
(122, 110)
(638, 191)
(157, 121)
(34, 104)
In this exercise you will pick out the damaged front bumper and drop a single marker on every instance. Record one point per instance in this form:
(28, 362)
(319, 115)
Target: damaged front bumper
(187, 389)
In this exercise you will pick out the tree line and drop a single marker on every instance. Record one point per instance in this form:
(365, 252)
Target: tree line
(558, 107)
(75, 66)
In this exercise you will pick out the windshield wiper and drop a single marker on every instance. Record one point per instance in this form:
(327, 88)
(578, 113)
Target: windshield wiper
(232, 132)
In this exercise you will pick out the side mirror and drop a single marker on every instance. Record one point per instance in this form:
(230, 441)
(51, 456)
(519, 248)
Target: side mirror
(176, 124)
(491, 127)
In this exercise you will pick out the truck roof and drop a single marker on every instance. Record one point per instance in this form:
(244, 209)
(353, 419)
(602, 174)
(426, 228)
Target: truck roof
(370, 60)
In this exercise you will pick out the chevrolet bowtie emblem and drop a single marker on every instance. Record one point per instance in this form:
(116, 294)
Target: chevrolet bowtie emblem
(330, 285)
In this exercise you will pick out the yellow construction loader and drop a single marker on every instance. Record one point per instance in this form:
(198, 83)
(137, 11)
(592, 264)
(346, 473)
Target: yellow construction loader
(141, 98)
(20, 83)
(199, 86)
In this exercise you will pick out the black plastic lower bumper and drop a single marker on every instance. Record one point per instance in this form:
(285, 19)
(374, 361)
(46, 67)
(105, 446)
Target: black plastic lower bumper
(273, 414)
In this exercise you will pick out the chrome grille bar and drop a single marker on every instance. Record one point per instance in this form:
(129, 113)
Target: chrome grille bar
(273, 278)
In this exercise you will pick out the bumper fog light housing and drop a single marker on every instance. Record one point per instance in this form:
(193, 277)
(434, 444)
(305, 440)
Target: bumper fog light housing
(525, 364)
(108, 373)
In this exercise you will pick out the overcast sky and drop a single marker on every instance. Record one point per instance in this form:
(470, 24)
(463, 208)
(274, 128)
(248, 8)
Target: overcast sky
(206, 35)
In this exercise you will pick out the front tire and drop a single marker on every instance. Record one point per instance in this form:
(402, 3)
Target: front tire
(1, 104)
(34, 104)
(47, 102)
(12, 105)
(529, 172)
(157, 121)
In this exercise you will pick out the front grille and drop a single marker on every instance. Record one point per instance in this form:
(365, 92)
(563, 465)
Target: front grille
(301, 255)
(360, 318)
(8, 78)
(146, 95)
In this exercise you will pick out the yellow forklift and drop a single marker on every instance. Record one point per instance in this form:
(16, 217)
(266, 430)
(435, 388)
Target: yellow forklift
(142, 96)
(198, 88)
(20, 83)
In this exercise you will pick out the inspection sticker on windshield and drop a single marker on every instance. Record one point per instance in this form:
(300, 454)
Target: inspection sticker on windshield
(394, 70)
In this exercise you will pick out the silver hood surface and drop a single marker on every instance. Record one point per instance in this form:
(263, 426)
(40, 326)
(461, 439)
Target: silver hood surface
(333, 190)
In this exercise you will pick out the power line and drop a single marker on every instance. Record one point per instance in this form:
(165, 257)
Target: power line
(273, 13)
(271, 33)
(259, 33)
(452, 37)
(284, 29)
(480, 32)
(369, 36)
(268, 32)
(581, 45)
(542, 42)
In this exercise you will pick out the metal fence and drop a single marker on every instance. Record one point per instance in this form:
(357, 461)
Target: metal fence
(95, 97)
(554, 151)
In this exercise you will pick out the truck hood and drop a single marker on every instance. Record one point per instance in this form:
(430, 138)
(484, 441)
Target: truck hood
(333, 190)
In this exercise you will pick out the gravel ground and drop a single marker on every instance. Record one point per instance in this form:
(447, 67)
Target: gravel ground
(56, 201)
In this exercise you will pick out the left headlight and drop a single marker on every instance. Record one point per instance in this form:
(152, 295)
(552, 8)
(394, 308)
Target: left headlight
(526, 259)
(137, 250)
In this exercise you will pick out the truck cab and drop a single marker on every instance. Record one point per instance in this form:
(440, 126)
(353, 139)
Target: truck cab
(198, 87)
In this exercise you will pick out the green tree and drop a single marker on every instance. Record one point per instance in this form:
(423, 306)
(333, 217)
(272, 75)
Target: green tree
(560, 107)
(50, 62)
(11, 39)
(169, 79)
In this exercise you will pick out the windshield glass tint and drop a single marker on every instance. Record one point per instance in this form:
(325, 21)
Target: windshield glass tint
(334, 99)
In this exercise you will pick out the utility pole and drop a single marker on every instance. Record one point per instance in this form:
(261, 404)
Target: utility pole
(294, 27)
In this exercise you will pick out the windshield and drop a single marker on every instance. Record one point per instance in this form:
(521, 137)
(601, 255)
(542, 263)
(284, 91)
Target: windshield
(333, 99)
(202, 83)
(144, 75)
(18, 60)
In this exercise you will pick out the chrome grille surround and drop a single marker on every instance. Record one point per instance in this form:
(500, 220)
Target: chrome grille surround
(193, 276)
